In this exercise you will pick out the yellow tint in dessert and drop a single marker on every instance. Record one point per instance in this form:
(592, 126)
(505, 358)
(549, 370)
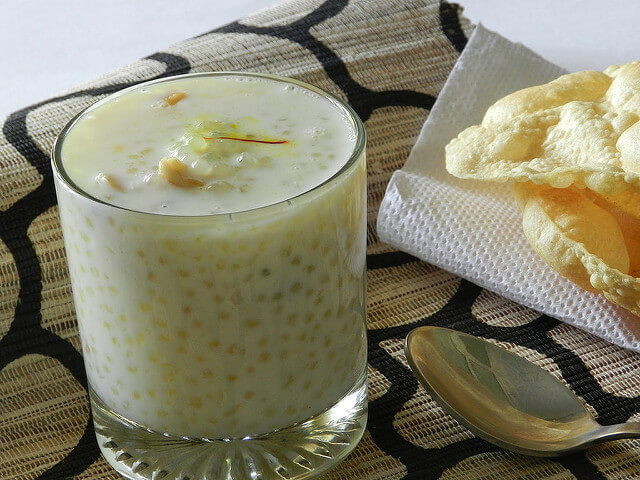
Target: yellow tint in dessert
(223, 325)
(207, 145)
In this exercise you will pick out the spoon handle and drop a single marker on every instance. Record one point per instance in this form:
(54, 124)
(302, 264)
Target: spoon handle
(621, 430)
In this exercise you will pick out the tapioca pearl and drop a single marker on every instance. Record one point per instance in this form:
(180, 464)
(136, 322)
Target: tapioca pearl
(289, 381)
(291, 410)
(144, 307)
(84, 237)
(105, 308)
(265, 356)
(182, 334)
(265, 272)
(284, 337)
(200, 358)
(232, 411)
(219, 299)
(235, 349)
(286, 251)
(182, 273)
(202, 270)
(170, 392)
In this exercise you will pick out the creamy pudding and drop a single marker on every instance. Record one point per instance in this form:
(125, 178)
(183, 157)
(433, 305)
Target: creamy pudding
(215, 233)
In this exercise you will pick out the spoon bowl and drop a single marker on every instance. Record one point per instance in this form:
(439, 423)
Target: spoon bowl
(502, 397)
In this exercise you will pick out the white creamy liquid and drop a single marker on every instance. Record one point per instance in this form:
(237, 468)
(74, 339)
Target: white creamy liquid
(226, 325)
(215, 132)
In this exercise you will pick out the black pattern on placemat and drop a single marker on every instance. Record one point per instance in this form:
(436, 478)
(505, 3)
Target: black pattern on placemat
(26, 334)
(580, 467)
(363, 100)
(388, 259)
(428, 464)
(450, 22)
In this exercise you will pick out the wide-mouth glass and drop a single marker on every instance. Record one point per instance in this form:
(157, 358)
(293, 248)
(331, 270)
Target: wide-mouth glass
(345, 109)
(213, 331)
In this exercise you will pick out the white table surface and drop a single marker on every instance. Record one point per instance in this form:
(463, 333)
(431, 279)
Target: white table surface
(48, 46)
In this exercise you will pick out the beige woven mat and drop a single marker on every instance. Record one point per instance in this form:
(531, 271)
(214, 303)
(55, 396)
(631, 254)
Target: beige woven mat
(389, 61)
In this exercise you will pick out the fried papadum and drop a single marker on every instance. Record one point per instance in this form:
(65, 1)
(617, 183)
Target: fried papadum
(571, 149)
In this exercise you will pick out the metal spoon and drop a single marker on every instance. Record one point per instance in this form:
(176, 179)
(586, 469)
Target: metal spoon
(502, 397)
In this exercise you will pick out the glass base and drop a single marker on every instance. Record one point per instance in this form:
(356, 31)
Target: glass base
(302, 451)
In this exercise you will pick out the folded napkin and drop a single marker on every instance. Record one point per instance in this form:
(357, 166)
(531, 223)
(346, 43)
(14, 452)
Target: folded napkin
(472, 228)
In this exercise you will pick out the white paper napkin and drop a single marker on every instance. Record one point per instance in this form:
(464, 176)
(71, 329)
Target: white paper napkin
(473, 228)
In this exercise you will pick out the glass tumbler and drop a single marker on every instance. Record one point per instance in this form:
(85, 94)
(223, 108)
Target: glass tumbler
(227, 346)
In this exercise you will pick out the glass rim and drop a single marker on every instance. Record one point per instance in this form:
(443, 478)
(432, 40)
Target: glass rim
(358, 148)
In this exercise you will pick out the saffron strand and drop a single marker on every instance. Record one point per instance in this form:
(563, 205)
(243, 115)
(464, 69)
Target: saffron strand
(250, 140)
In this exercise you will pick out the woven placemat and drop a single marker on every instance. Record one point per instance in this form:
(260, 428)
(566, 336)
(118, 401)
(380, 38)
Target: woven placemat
(389, 61)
